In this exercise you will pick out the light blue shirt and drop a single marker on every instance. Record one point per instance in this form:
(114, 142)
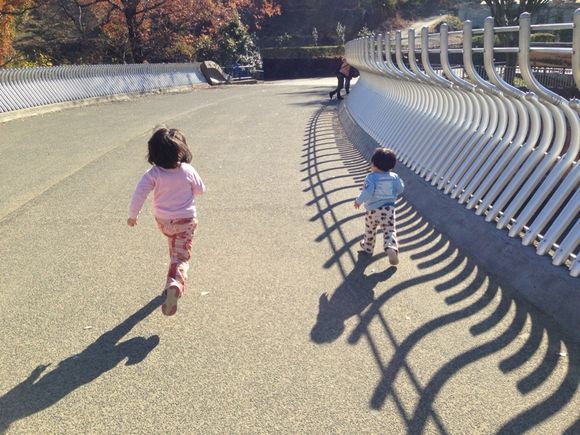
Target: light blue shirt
(380, 189)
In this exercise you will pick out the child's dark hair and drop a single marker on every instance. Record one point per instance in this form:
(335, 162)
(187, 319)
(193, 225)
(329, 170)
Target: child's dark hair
(384, 159)
(168, 148)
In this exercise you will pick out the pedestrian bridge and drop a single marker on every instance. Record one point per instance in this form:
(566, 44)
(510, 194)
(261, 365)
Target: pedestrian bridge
(283, 328)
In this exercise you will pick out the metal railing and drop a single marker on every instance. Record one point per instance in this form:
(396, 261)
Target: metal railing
(511, 155)
(23, 88)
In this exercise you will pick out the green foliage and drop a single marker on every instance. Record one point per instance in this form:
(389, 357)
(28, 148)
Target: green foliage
(283, 39)
(33, 60)
(478, 41)
(230, 43)
(364, 32)
(453, 23)
(543, 37)
(340, 33)
(507, 12)
(535, 37)
(329, 51)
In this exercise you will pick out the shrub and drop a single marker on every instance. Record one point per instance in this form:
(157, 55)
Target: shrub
(453, 23)
(364, 32)
(543, 37)
(478, 41)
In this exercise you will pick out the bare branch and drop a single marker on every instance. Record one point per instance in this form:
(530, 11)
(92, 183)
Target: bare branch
(152, 7)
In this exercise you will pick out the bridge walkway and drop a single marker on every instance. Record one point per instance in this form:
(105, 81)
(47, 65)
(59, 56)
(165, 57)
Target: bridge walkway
(284, 329)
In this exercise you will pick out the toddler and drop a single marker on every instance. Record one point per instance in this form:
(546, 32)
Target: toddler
(378, 195)
(175, 184)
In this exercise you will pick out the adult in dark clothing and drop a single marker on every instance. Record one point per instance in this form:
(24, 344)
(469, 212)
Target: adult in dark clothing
(343, 76)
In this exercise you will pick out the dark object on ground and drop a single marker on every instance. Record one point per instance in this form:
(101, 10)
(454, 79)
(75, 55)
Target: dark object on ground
(213, 73)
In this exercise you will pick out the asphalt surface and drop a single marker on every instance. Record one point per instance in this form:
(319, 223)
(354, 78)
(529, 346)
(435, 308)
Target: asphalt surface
(283, 329)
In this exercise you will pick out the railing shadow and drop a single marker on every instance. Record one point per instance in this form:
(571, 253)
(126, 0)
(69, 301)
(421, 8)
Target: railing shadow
(37, 393)
(453, 275)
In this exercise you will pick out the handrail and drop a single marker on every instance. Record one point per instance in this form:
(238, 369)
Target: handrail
(509, 154)
(24, 88)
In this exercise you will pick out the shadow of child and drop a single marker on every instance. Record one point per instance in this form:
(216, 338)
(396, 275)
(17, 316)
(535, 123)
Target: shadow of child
(349, 299)
(34, 395)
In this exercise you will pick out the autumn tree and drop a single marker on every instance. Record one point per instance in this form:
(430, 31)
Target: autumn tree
(146, 25)
(63, 32)
(10, 12)
(125, 21)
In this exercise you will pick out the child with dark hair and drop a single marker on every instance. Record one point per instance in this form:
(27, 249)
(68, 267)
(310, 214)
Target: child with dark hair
(175, 185)
(380, 190)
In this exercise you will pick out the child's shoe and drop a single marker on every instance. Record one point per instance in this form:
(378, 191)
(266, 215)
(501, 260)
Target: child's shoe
(393, 256)
(363, 250)
(169, 307)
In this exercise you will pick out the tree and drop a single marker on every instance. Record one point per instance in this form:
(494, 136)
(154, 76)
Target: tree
(125, 21)
(507, 12)
(63, 32)
(340, 33)
(364, 32)
(141, 25)
(230, 43)
(10, 12)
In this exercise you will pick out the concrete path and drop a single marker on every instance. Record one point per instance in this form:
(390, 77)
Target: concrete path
(283, 329)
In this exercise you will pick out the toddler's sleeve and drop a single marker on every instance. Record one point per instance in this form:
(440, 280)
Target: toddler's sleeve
(367, 190)
(197, 184)
(400, 186)
(145, 185)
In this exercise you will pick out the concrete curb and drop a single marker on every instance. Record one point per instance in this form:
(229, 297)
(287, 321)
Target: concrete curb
(550, 288)
(40, 110)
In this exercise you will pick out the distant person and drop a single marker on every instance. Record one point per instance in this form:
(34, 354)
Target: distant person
(342, 74)
(352, 73)
(380, 191)
(175, 185)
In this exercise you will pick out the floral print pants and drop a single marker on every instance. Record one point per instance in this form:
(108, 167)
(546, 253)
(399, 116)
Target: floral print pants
(385, 218)
(179, 233)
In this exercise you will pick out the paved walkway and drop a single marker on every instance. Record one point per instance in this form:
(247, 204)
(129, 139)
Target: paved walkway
(283, 328)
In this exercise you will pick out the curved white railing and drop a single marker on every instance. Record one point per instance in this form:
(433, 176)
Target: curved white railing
(510, 155)
(24, 88)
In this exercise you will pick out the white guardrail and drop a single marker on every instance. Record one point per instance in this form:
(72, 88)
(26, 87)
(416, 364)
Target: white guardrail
(508, 154)
(23, 88)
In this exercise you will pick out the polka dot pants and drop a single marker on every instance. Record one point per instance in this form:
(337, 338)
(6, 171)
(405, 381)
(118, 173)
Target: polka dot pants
(383, 217)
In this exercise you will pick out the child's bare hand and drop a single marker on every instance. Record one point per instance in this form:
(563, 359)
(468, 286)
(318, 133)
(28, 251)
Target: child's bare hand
(356, 205)
(131, 222)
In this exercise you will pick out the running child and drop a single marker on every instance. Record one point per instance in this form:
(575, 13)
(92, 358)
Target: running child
(175, 185)
(379, 193)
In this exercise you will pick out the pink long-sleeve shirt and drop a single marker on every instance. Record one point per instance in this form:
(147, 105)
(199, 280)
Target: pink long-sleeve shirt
(174, 192)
